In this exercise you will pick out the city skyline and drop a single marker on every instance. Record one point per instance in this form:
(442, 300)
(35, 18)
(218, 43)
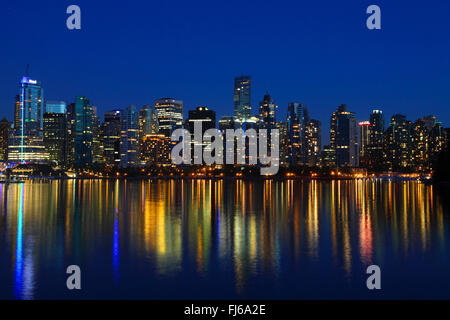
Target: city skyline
(321, 62)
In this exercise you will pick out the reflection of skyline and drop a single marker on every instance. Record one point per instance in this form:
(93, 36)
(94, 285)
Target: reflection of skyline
(250, 228)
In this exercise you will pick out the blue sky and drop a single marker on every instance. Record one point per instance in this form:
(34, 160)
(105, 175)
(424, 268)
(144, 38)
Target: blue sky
(316, 52)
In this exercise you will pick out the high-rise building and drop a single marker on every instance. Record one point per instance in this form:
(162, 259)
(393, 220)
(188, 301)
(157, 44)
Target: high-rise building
(5, 129)
(97, 138)
(206, 119)
(83, 135)
(364, 134)
(297, 118)
(26, 143)
(267, 110)
(111, 137)
(375, 154)
(226, 122)
(242, 97)
(156, 149)
(397, 143)
(56, 107)
(284, 143)
(170, 115)
(313, 142)
(148, 124)
(55, 133)
(344, 137)
(129, 146)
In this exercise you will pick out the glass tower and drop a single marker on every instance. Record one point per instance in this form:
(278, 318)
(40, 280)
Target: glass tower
(242, 98)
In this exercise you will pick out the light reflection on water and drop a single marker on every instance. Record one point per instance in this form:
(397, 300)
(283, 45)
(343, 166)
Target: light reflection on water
(222, 239)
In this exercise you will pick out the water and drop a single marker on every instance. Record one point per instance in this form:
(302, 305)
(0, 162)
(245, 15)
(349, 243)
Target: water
(223, 239)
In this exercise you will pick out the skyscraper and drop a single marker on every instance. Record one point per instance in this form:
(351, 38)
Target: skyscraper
(83, 134)
(129, 146)
(398, 143)
(313, 142)
(155, 149)
(170, 115)
(111, 137)
(97, 138)
(148, 124)
(26, 144)
(297, 117)
(344, 137)
(204, 117)
(375, 154)
(5, 128)
(267, 110)
(364, 133)
(55, 137)
(56, 107)
(242, 97)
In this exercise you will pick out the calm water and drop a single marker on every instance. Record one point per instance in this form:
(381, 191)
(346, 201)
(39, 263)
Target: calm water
(224, 239)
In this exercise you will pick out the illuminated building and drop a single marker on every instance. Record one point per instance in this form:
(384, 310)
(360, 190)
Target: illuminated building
(344, 137)
(267, 110)
(204, 117)
(297, 117)
(284, 143)
(242, 97)
(111, 137)
(129, 146)
(56, 107)
(156, 149)
(226, 122)
(97, 138)
(5, 128)
(364, 133)
(148, 124)
(397, 143)
(313, 142)
(170, 115)
(55, 137)
(83, 135)
(328, 157)
(375, 153)
(26, 142)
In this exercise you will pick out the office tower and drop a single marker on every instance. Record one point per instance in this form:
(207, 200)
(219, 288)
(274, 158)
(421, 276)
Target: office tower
(284, 143)
(438, 139)
(111, 137)
(397, 143)
(26, 143)
(83, 135)
(297, 117)
(375, 154)
(206, 119)
(344, 137)
(5, 128)
(242, 97)
(156, 149)
(313, 142)
(55, 133)
(420, 145)
(129, 146)
(170, 115)
(148, 124)
(364, 134)
(267, 110)
(97, 138)
(56, 107)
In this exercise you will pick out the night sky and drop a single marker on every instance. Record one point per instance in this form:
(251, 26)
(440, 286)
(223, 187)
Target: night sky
(316, 52)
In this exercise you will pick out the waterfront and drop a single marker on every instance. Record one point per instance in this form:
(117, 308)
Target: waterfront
(162, 239)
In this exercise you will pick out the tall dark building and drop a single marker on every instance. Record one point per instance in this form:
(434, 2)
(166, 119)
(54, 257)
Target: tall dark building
(313, 142)
(364, 134)
(242, 98)
(267, 110)
(297, 118)
(129, 146)
(97, 138)
(55, 133)
(344, 137)
(375, 154)
(204, 117)
(170, 115)
(83, 132)
(398, 143)
(5, 129)
(111, 137)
